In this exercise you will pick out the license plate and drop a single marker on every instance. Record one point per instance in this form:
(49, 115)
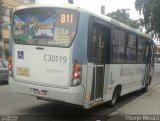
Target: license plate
(39, 92)
(22, 71)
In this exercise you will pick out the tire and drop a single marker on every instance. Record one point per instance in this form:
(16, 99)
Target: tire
(114, 99)
(144, 89)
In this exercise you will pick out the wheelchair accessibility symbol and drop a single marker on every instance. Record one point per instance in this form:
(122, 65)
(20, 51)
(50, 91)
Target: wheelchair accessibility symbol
(20, 55)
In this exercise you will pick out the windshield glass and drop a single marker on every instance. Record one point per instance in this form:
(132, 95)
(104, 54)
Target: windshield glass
(44, 26)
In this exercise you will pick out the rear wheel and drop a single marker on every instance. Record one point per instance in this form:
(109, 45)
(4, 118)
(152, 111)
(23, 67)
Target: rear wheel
(114, 99)
(144, 89)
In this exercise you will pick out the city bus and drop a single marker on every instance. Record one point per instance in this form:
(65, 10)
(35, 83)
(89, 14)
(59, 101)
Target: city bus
(69, 54)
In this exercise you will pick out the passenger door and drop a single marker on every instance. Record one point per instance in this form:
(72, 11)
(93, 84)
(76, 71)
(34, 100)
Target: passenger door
(99, 37)
(148, 69)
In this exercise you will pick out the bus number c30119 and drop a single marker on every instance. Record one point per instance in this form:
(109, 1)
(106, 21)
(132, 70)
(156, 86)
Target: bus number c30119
(55, 58)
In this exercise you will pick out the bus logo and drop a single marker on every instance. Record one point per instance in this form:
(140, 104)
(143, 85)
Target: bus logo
(20, 55)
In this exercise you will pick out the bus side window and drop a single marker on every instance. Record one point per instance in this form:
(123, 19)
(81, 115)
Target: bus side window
(131, 48)
(94, 42)
(99, 38)
(141, 50)
(118, 45)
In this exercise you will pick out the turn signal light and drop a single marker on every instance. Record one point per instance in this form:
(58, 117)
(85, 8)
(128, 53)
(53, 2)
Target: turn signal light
(9, 66)
(76, 75)
(77, 67)
(10, 62)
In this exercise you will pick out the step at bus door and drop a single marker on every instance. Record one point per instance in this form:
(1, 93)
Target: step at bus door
(97, 84)
(98, 67)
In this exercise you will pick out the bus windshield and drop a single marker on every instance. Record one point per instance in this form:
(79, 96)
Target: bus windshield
(44, 26)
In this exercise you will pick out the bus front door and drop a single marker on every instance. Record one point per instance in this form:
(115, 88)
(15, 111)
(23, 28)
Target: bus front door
(98, 67)
(148, 69)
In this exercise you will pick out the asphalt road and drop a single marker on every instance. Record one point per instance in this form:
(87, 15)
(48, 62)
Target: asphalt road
(28, 108)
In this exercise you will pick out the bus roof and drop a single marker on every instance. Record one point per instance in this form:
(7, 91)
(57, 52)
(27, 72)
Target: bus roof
(82, 9)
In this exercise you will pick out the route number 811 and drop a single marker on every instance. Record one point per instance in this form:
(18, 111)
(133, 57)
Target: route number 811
(67, 18)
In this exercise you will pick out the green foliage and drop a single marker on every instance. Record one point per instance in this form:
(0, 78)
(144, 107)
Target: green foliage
(122, 16)
(151, 12)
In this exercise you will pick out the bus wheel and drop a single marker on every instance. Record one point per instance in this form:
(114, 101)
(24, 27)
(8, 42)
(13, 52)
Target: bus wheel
(115, 97)
(144, 89)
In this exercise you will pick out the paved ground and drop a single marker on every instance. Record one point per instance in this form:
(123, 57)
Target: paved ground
(27, 108)
(147, 104)
(145, 107)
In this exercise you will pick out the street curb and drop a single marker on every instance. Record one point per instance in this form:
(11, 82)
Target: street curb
(158, 86)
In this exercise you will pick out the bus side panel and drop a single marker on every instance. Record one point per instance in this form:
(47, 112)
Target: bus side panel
(80, 50)
(107, 93)
(129, 76)
(80, 43)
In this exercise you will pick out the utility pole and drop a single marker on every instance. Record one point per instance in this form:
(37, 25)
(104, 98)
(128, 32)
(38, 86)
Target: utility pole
(103, 9)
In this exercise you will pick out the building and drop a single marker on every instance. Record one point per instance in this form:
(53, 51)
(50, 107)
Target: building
(6, 8)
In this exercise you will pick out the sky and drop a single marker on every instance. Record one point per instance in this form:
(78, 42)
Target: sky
(113, 5)
(110, 5)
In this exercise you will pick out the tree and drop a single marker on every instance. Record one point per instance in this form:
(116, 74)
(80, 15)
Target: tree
(122, 16)
(151, 13)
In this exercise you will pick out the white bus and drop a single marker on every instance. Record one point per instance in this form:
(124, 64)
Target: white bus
(69, 54)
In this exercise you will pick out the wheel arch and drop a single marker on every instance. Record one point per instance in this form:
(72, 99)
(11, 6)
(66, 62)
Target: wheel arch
(118, 88)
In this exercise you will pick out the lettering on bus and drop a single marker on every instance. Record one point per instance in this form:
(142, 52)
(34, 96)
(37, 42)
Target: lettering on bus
(67, 18)
(52, 70)
(126, 72)
(140, 71)
(55, 58)
(61, 37)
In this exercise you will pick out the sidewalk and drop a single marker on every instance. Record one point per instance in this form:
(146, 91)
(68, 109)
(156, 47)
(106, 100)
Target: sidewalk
(147, 104)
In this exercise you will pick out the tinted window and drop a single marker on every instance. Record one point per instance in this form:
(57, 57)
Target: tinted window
(141, 49)
(141, 56)
(121, 37)
(131, 55)
(118, 37)
(131, 41)
(141, 44)
(118, 53)
(131, 48)
(118, 45)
